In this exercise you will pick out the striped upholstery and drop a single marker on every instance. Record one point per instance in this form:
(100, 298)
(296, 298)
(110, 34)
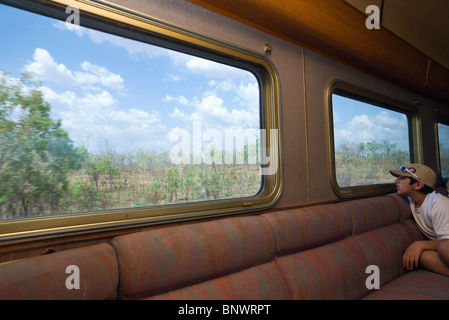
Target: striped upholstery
(316, 255)
(333, 271)
(403, 205)
(301, 229)
(162, 260)
(44, 277)
(317, 252)
(379, 231)
(384, 247)
(372, 213)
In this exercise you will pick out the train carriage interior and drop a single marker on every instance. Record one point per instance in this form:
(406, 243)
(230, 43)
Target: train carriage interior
(218, 150)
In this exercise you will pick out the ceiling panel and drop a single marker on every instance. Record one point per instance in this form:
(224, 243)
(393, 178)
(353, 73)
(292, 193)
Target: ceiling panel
(422, 23)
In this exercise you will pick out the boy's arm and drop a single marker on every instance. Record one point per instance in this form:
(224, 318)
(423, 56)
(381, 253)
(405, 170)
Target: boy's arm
(429, 253)
(410, 259)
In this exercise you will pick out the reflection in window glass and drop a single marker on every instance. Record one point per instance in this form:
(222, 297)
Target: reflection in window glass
(92, 121)
(443, 139)
(368, 142)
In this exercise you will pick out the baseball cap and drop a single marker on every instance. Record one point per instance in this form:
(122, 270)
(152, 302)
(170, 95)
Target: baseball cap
(418, 172)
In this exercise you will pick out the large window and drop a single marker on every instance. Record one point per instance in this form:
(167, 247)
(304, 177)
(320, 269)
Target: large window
(370, 137)
(126, 125)
(443, 142)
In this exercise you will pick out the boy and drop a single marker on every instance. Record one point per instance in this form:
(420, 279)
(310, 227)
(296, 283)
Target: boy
(431, 213)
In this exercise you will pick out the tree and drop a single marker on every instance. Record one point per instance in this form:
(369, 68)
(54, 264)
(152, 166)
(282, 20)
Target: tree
(173, 183)
(97, 165)
(367, 163)
(36, 154)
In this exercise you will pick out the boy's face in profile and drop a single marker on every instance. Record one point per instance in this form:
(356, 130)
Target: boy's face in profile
(403, 186)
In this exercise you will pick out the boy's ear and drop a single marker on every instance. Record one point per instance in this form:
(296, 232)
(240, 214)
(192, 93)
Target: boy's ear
(419, 185)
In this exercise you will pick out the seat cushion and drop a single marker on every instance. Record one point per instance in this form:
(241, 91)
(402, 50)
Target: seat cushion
(316, 253)
(263, 282)
(162, 260)
(372, 213)
(44, 277)
(384, 248)
(418, 284)
(305, 228)
(333, 271)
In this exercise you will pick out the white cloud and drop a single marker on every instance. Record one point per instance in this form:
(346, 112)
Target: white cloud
(181, 100)
(364, 128)
(223, 86)
(180, 115)
(92, 117)
(224, 105)
(213, 112)
(384, 118)
(210, 103)
(361, 122)
(248, 94)
(102, 75)
(44, 67)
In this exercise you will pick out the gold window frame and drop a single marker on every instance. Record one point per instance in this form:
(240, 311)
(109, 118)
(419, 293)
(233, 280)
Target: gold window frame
(112, 18)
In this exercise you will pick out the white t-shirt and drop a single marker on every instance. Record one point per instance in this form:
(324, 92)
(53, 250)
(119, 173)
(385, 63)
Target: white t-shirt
(432, 217)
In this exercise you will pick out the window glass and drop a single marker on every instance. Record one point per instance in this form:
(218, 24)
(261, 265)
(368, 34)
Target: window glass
(443, 139)
(93, 121)
(368, 141)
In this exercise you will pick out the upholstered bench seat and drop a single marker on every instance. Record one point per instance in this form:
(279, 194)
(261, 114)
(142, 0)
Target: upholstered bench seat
(317, 252)
(45, 277)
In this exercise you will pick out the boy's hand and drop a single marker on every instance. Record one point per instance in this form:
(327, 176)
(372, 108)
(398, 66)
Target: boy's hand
(410, 259)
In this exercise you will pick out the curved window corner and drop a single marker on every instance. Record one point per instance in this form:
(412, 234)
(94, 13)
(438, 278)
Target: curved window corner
(369, 135)
(110, 119)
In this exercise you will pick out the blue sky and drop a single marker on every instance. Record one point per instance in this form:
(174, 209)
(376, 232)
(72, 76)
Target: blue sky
(132, 94)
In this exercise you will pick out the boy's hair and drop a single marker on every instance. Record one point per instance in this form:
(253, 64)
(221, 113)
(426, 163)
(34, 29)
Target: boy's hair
(426, 189)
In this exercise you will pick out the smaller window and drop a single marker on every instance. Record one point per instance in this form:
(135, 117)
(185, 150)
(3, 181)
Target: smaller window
(443, 144)
(370, 137)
